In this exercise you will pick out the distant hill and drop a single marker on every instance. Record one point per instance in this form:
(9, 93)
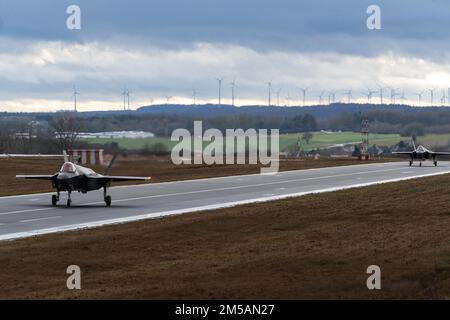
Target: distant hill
(211, 110)
(214, 110)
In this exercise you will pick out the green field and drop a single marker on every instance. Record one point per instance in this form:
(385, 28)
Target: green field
(132, 144)
(319, 140)
(324, 140)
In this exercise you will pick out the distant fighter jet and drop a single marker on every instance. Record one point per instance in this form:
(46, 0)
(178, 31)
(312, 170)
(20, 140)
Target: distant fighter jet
(422, 154)
(74, 177)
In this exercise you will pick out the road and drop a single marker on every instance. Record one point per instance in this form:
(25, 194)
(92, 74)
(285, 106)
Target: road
(30, 215)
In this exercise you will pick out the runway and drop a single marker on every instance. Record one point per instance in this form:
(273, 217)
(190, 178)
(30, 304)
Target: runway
(31, 215)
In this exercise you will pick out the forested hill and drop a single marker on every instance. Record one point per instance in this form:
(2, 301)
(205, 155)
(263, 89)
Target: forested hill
(163, 119)
(211, 110)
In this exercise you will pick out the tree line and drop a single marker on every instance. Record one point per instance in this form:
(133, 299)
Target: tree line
(52, 132)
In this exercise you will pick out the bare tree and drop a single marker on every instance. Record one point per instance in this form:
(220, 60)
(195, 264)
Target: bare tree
(5, 140)
(66, 129)
(307, 136)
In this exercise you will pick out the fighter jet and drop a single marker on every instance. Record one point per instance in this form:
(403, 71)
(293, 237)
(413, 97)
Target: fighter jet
(72, 177)
(422, 154)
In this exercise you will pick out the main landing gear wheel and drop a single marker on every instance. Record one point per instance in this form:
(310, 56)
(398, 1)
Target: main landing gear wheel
(55, 199)
(106, 196)
(69, 201)
(435, 163)
(421, 164)
(410, 163)
(108, 201)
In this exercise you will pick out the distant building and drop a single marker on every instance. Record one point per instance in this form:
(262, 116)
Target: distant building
(24, 135)
(86, 156)
(116, 135)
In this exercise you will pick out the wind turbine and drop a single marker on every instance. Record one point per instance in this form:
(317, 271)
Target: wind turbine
(128, 97)
(269, 85)
(381, 93)
(278, 96)
(370, 94)
(331, 97)
(124, 94)
(194, 95)
(393, 94)
(233, 86)
(448, 95)
(419, 95)
(402, 97)
(321, 97)
(289, 99)
(75, 94)
(219, 80)
(168, 98)
(349, 95)
(443, 98)
(304, 91)
(432, 95)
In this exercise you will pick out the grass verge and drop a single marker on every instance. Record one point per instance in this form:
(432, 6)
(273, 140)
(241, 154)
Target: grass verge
(316, 246)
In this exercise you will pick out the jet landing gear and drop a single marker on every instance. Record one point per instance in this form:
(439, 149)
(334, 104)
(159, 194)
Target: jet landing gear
(55, 199)
(107, 197)
(69, 201)
(410, 163)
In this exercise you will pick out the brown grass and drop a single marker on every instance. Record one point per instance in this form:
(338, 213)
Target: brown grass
(316, 246)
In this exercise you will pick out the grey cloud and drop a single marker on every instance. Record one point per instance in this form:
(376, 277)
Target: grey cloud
(318, 25)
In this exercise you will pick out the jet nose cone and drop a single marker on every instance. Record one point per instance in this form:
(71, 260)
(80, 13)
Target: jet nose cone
(63, 176)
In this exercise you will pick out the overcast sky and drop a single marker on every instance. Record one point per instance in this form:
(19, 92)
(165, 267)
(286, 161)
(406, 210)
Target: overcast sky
(166, 48)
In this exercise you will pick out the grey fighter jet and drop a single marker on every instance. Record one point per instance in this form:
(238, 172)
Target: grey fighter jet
(422, 154)
(73, 177)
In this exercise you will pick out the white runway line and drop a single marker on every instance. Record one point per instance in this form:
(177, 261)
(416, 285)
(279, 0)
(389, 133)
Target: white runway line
(25, 211)
(33, 220)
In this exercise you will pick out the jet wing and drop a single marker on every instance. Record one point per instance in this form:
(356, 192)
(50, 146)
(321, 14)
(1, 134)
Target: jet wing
(441, 153)
(119, 178)
(36, 177)
(403, 152)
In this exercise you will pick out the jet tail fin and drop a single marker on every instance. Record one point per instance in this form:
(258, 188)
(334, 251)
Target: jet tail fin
(66, 157)
(108, 170)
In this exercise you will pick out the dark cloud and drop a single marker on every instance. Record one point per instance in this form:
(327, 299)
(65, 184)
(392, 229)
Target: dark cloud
(317, 25)
(167, 47)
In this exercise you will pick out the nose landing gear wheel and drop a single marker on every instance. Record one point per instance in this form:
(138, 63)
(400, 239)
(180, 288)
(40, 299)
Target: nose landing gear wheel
(108, 201)
(410, 163)
(435, 163)
(69, 203)
(54, 200)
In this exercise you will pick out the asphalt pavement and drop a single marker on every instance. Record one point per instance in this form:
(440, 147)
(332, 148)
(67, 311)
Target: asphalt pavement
(31, 215)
